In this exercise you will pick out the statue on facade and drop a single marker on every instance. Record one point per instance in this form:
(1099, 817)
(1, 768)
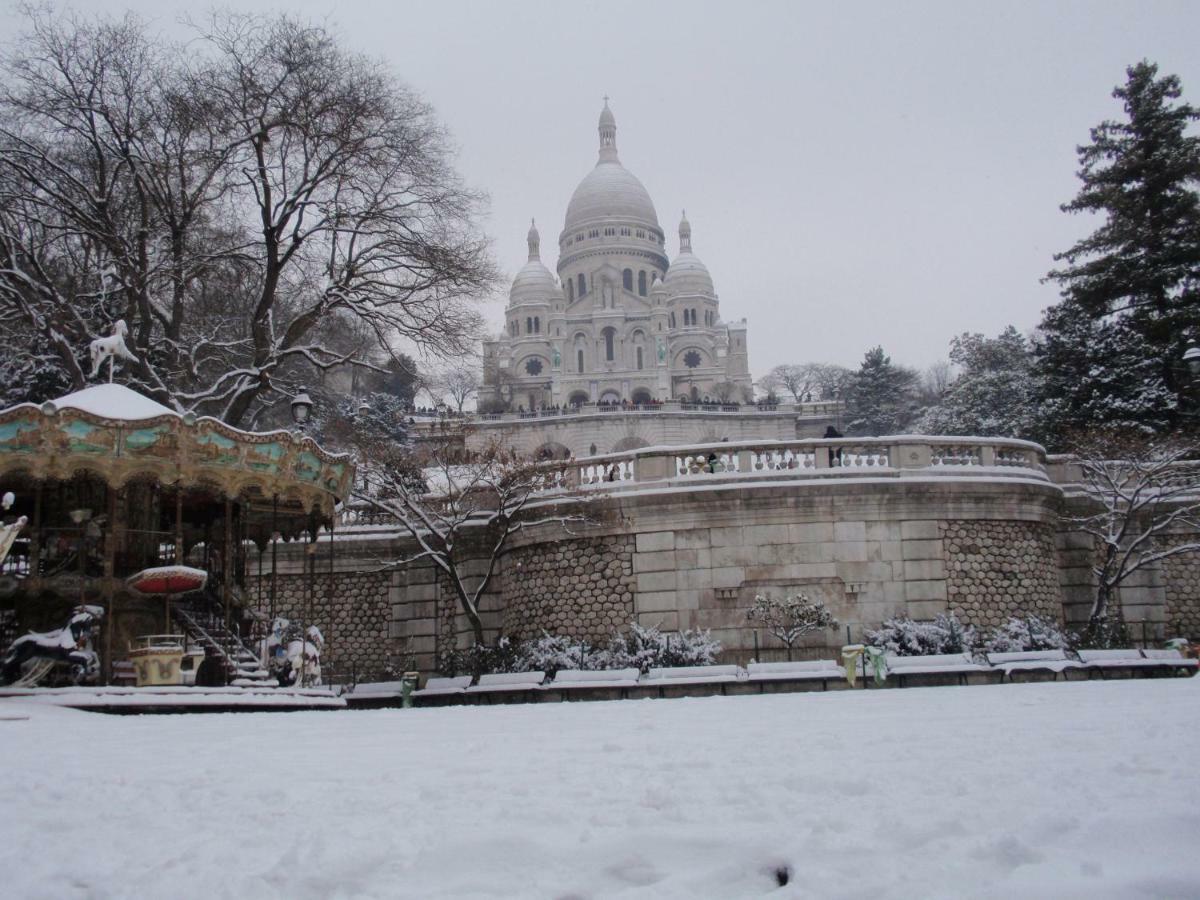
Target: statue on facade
(607, 296)
(556, 357)
(662, 350)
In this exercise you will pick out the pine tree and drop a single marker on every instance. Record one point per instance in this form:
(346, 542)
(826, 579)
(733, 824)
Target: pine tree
(881, 397)
(1131, 290)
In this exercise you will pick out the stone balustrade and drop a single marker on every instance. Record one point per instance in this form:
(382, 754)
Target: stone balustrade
(807, 409)
(895, 456)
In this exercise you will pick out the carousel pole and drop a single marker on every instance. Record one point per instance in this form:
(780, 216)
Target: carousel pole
(35, 541)
(179, 523)
(274, 550)
(330, 605)
(110, 598)
(227, 562)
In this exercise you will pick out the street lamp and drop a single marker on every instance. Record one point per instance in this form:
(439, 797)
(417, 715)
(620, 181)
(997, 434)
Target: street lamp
(364, 408)
(1191, 358)
(301, 407)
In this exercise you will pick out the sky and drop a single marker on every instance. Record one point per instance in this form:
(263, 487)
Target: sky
(854, 173)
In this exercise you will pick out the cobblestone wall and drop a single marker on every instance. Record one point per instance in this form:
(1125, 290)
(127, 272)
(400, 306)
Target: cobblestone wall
(995, 570)
(1183, 594)
(355, 625)
(580, 588)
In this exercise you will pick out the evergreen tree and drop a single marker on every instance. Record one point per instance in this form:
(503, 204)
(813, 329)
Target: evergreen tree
(881, 397)
(1131, 290)
(993, 395)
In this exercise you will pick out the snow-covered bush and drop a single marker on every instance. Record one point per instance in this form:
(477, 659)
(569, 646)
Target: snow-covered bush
(1024, 633)
(645, 647)
(550, 652)
(642, 647)
(906, 637)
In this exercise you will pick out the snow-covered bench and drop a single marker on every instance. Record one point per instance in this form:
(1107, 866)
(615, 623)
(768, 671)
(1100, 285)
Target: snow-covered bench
(601, 682)
(935, 668)
(443, 689)
(1054, 661)
(1172, 660)
(823, 671)
(508, 685)
(679, 680)
(1130, 659)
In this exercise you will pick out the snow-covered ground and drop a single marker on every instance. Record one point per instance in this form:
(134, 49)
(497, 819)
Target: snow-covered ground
(1047, 790)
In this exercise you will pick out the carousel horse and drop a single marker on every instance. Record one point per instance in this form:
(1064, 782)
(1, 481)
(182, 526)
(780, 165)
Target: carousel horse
(109, 348)
(289, 654)
(70, 645)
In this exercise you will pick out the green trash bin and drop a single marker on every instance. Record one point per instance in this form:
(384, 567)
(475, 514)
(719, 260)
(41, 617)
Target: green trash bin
(408, 684)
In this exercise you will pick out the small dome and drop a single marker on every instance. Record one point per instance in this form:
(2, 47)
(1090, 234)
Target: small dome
(687, 274)
(533, 282)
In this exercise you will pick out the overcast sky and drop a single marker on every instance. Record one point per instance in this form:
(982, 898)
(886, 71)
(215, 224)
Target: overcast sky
(855, 173)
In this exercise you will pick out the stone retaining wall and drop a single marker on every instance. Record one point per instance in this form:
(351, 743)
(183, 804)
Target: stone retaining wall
(997, 570)
(1182, 585)
(578, 588)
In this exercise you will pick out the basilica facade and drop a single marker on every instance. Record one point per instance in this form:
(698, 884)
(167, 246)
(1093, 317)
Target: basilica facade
(621, 323)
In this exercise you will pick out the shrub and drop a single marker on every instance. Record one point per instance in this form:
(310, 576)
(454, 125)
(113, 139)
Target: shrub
(1104, 632)
(550, 652)
(645, 647)
(906, 637)
(1023, 633)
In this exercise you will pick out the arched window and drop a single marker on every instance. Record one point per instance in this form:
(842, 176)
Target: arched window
(609, 342)
(639, 357)
(687, 318)
(578, 360)
(570, 290)
(642, 283)
(528, 325)
(672, 320)
(627, 280)
(537, 324)
(582, 285)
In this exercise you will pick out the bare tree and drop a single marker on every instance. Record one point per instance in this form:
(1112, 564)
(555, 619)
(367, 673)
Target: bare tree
(1140, 503)
(790, 618)
(459, 383)
(234, 200)
(811, 381)
(459, 513)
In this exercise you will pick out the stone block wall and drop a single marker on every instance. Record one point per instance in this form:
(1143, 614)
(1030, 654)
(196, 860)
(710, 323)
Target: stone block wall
(997, 570)
(1182, 588)
(580, 588)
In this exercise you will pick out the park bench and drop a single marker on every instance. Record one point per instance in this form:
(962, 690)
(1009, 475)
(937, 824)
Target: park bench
(598, 683)
(438, 689)
(807, 672)
(1056, 662)
(1125, 659)
(1172, 661)
(936, 668)
(679, 681)
(507, 686)
(1132, 660)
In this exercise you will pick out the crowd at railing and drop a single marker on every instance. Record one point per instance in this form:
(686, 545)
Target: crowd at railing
(701, 404)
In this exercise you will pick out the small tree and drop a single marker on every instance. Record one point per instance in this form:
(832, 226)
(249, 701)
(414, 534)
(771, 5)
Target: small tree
(791, 618)
(1141, 505)
(460, 513)
(458, 383)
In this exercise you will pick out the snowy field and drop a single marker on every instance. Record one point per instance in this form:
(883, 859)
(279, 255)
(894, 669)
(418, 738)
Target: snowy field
(1047, 790)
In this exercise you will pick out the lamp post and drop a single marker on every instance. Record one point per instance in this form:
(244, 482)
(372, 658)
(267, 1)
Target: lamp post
(1191, 358)
(301, 408)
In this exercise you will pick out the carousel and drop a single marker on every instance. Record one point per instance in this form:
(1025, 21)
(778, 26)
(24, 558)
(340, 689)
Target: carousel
(142, 528)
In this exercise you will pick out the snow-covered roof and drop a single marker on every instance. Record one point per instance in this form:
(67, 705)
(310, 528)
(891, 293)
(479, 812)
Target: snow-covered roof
(113, 401)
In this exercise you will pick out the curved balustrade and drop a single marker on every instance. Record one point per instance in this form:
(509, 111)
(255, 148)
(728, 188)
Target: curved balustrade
(901, 456)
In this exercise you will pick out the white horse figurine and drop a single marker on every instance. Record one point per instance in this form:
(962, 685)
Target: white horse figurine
(109, 348)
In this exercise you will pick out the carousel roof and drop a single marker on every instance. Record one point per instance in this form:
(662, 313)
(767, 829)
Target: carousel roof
(113, 401)
(118, 434)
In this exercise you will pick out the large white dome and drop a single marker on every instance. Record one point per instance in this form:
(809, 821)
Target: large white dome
(609, 191)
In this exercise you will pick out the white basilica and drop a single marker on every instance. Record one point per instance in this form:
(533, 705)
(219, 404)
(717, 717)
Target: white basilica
(621, 322)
